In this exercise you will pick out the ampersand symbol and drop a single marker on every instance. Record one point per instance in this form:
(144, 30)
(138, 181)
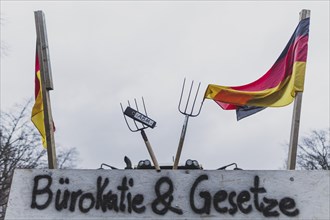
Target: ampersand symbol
(165, 199)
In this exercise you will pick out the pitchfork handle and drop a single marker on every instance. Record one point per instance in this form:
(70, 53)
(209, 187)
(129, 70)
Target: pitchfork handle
(151, 152)
(183, 134)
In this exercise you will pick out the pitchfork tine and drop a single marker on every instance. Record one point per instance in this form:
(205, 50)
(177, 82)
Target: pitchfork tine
(192, 108)
(137, 108)
(137, 128)
(191, 86)
(184, 81)
(126, 119)
(144, 106)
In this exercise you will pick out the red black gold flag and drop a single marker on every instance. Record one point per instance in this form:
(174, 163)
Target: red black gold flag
(276, 88)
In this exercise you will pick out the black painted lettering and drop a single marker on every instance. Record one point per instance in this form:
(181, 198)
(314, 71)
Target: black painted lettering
(272, 203)
(74, 197)
(124, 200)
(44, 191)
(129, 196)
(111, 200)
(129, 202)
(219, 197)
(136, 202)
(164, 199)
(123, 188)
(242, 198)
(206, 195)
(287, 204)
(256, 190)
(59, 205)
(100, 187)
(82, 201)
(233, 208)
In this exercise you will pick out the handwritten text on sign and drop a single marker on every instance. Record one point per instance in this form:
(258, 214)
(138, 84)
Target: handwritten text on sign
(167, 193)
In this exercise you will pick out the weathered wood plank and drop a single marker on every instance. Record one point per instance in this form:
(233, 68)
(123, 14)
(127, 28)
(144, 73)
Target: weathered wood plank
(179, 194)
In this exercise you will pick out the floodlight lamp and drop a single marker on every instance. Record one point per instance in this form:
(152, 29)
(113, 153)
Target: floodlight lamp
(192, 164)
(144, 164)
(189, 162)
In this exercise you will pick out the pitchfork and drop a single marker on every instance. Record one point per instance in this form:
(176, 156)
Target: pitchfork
(141, 128)
(187, 113)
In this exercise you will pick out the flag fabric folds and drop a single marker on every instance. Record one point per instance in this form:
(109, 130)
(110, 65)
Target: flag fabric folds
(245, 111)
(276, 88)
(38, 108)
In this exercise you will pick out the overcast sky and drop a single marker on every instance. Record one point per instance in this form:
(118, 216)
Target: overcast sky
(107, 52)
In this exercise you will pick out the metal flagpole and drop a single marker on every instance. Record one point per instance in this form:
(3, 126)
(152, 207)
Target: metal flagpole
(46, 85)
(296, 116)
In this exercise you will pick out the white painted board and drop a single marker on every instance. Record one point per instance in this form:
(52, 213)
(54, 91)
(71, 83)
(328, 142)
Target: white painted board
(168, 194)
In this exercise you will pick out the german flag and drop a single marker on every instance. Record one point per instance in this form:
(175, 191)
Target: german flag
(38, 108)
(277, 87)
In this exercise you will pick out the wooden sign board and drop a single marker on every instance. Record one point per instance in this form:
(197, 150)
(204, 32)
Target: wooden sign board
(168, 194)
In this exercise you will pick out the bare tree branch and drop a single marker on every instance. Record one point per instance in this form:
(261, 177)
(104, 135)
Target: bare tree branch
(314, 151)
(21, 147)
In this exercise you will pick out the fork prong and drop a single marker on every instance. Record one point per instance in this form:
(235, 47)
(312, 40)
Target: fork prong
(189, 106)
(122, 109)
(179, 106)
(136, 105)
(137, 127)
(137, 108)
(144, 106)
(129, 127)
(191, 86)
(193, 106)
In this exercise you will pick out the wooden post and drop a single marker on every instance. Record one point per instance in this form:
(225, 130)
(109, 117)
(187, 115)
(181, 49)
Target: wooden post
(294, 136)
(46, 85)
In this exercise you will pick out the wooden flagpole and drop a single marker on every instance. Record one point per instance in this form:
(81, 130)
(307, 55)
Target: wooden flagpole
(46, 85)
(296, 116)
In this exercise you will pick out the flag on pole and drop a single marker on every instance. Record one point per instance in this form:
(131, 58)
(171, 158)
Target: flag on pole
(276, 88)
(38, 108)
(41, 112)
